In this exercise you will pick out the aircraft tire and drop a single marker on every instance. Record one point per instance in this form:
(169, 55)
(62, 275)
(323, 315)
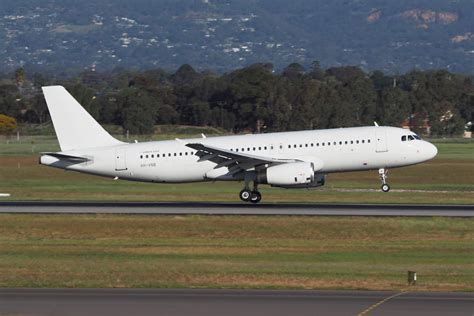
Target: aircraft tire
(245, 195)
(255, 197)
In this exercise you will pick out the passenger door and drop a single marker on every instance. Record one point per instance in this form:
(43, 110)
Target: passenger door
(120, 159)
(381, 140)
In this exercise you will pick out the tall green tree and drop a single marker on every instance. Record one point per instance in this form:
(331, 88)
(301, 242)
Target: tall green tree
(138, 111)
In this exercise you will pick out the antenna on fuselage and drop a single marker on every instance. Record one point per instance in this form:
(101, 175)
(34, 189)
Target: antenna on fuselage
(375, 123)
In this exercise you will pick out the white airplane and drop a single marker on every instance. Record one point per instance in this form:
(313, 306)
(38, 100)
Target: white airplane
(287, 160)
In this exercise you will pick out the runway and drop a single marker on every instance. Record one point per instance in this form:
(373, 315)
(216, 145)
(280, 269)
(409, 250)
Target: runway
(230, 302)
(195, 208)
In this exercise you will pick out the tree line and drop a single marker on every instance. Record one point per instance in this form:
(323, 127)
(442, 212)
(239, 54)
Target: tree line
(254, 98)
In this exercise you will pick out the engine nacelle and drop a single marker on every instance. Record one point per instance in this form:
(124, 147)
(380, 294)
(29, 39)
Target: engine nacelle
(288, 174)
(319, 180)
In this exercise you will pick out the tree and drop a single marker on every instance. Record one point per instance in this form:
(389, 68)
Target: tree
(293, 71)
(138, 111)
(166, 114)
(7, 124)
(201, 113)
(20, 76)
(393, 107)
(185, 75)
(8, 100)
(445, 120)
(249, 90)
(38, 111)
(316, 71)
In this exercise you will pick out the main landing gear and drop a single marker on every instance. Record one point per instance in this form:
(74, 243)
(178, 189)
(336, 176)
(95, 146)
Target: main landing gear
(383, 177)
(248, 195)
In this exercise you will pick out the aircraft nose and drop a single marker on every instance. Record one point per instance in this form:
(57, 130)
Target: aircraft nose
(431, 151)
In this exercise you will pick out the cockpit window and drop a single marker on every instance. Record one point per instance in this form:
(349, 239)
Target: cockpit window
(410, 137)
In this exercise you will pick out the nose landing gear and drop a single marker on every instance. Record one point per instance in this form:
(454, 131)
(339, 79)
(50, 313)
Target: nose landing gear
(383, 177)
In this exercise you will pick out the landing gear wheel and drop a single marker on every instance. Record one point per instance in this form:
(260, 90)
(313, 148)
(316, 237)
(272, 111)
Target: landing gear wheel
(383, 177)
(245, 195)
(255, 197)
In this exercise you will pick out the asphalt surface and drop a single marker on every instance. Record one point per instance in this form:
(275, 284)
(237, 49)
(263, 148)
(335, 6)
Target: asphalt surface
(230, 302)
(190, 208)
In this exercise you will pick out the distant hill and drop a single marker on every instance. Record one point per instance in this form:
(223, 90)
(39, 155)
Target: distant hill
(393, 36)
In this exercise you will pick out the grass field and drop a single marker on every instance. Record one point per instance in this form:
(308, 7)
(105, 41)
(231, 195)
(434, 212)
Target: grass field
(448, 179)
(236, 252)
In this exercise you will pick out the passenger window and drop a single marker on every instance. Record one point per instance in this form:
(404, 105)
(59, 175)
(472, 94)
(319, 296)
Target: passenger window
(317, 144)
(352, 142)
(335, 143)
(146, 156)
(294, 146)
(322, 144)
(271, 147)
(345, 142)
(368, 140)
(254, 149)
(329, 143)
(265, 147)
(141, 156)
(340, 143)
(259, 148)
(363, 141)
(357, 141)
(312, 145)
(169, 155)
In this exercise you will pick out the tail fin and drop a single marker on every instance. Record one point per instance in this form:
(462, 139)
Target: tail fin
(75, 128)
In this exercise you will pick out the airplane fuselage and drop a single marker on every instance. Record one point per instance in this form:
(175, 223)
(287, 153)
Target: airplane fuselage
(335, 150)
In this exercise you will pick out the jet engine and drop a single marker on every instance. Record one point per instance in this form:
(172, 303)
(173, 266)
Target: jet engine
(288, 174)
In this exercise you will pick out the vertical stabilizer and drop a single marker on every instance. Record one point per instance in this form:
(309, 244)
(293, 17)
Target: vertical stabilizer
(74, 126)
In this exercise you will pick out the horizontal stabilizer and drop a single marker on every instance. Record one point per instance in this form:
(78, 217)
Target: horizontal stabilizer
(71, 158)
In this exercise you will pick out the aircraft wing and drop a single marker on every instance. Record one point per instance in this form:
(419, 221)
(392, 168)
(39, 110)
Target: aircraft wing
(234, 161)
